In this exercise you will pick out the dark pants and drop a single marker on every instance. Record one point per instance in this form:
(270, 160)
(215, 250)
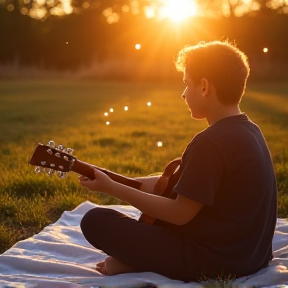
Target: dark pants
(156, 248)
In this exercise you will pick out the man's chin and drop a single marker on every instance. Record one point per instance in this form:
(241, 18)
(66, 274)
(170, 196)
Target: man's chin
(197, 117)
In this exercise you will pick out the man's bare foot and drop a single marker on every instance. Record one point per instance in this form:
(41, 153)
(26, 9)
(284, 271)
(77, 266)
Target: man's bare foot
(101, 268)
(112, 266)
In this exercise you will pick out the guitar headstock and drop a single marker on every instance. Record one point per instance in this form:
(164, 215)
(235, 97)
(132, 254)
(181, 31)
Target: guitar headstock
(49, 158)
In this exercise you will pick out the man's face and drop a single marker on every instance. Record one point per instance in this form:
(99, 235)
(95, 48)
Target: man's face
(193, 97)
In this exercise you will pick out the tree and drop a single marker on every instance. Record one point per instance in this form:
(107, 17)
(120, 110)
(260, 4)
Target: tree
(237, 8)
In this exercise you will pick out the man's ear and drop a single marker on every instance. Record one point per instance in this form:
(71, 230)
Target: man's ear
(205, 86)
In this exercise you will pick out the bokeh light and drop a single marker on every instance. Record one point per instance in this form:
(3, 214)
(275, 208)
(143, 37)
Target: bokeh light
(106, 114)
(111, 110)
(138, 46)
(126, 108)
(159, 144)
(265, 50)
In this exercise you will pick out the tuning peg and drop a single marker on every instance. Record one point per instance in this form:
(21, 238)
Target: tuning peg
(50, 172)
(60, 147)
(69, 151)
(51, 144)
(61, 174)
(38, 169)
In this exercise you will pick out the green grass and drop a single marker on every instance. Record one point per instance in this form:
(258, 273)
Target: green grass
(72, 113)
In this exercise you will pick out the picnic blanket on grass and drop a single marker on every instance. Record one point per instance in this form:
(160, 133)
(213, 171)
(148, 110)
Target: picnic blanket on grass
(59, 256)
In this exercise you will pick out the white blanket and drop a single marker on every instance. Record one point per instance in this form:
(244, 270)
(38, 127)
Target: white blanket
(59, 256)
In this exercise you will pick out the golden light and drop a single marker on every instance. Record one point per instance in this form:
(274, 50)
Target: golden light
(10, 7)
(65, 6)
(265, 50)
(86, 5)
(159, 144)
(149, 12)
(38, 13)
(138, 46)
(111, 110)
(24, 11)
(149, 103)
(125, 9)
(111, 17)
(106, 114)
(178, 10)
(107, 123)
(126, 108)
(40, 2)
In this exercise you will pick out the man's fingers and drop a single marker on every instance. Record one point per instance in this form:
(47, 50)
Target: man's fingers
(83, 178)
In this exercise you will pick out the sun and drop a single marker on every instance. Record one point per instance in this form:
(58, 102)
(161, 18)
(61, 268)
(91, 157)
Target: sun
(178, 10)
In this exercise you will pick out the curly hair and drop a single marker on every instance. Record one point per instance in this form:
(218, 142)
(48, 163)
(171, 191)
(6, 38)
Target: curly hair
(221, 63)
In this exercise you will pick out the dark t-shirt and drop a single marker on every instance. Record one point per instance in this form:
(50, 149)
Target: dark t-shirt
(228, 168)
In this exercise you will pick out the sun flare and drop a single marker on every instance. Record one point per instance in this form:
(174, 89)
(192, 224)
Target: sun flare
(178, 10)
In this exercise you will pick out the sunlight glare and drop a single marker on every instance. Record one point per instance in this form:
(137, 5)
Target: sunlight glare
(178, 10)
(149, 12)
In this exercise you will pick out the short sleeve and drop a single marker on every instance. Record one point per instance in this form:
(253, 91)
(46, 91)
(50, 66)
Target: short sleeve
(203, 167)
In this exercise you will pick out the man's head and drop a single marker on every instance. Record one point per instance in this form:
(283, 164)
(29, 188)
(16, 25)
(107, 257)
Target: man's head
(221, 63)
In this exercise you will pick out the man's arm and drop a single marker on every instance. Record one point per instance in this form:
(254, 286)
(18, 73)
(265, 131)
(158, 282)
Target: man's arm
(177, 211)
(148, 183)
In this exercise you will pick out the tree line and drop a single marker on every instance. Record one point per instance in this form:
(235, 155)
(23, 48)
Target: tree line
(79, 39)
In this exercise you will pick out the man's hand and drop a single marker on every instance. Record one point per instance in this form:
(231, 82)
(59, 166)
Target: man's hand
(101, 183)
(177, 211)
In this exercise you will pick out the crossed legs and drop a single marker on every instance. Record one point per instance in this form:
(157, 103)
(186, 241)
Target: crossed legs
(133, 246)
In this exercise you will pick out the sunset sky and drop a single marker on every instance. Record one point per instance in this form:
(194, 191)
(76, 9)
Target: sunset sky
(175, 10)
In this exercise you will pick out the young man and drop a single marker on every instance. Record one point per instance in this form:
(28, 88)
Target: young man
(222, 221)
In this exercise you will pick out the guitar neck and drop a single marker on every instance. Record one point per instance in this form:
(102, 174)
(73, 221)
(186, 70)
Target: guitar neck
(87, 170)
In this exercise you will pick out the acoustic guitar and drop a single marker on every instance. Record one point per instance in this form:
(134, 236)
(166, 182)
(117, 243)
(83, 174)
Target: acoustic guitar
(59, 160)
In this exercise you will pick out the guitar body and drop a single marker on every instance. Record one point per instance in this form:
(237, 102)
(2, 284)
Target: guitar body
(50, 159)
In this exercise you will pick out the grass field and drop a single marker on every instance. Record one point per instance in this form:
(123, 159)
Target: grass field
(72, 113)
